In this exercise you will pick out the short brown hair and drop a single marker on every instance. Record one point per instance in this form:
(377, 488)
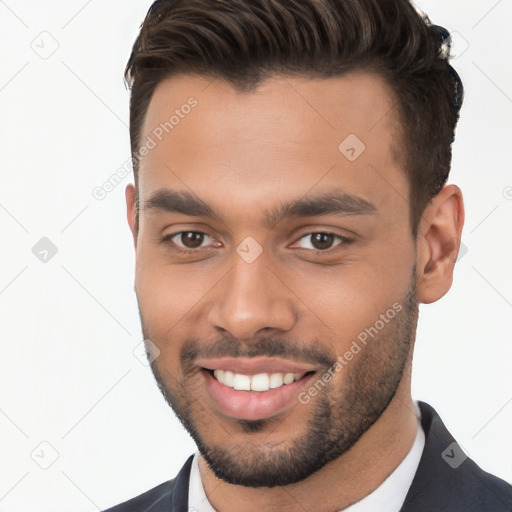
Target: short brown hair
(245, 41)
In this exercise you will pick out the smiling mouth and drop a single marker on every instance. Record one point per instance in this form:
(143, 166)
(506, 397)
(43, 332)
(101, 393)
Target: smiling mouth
(259, 382)
(254, 390)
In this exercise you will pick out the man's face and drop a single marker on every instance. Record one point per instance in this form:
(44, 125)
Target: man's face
(229, 277)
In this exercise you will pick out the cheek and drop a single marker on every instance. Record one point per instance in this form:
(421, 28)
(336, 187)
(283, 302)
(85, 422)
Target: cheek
(170, 296)
(349, 299)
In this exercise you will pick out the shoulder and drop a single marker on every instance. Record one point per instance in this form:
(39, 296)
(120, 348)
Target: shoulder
(167, 497)
(446, 479)
(156, 499)
(496, 494)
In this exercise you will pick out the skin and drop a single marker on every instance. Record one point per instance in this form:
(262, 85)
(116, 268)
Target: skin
(244, 153)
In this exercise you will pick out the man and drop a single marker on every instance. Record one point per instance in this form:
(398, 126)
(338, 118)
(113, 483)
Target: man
(290, 211)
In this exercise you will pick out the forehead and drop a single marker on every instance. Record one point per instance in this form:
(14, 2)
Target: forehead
(288, 136)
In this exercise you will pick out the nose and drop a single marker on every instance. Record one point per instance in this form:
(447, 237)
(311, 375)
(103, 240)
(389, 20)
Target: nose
(252, 298)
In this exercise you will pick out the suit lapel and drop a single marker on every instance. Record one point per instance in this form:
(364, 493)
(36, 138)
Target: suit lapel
(179, 494)
(442, 481)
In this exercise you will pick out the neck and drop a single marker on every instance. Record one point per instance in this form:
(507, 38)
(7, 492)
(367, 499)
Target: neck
(340, 483)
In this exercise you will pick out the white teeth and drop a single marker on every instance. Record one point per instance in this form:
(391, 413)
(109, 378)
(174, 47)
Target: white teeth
(229, 378)
(276, 380)
(289, 378)
(258, 382)
(242, 382)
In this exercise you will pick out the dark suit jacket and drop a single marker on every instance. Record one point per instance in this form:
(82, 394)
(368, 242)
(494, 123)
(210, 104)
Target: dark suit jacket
(445, 481)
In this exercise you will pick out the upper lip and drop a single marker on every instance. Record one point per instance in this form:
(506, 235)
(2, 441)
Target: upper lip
(253, 366)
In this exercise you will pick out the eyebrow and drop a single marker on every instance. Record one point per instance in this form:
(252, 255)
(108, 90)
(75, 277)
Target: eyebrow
(333, 202)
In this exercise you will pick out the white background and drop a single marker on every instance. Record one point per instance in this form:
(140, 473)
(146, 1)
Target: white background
(68, 374)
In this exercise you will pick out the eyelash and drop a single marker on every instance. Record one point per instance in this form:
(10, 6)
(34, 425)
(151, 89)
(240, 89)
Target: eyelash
(168, 240)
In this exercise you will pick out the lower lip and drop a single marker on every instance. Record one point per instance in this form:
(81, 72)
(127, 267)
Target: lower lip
(253, 405)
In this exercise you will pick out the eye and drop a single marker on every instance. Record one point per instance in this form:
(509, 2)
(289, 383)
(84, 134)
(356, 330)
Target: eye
(320, 241)
(187, 240)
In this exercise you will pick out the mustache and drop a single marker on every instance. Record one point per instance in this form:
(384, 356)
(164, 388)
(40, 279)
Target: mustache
(293, 350)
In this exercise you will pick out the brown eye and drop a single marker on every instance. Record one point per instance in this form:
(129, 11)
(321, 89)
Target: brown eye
(186, 240)
(320, 241)
(191, 239)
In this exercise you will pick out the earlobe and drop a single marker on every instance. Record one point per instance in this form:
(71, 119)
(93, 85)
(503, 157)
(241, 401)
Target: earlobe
(131, 211)
(438, 244)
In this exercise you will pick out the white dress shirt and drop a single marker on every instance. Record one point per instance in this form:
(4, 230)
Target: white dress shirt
(388, 497)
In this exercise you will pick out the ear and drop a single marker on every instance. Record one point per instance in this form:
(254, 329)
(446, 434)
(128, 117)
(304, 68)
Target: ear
(131, 211)
(438, 243)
